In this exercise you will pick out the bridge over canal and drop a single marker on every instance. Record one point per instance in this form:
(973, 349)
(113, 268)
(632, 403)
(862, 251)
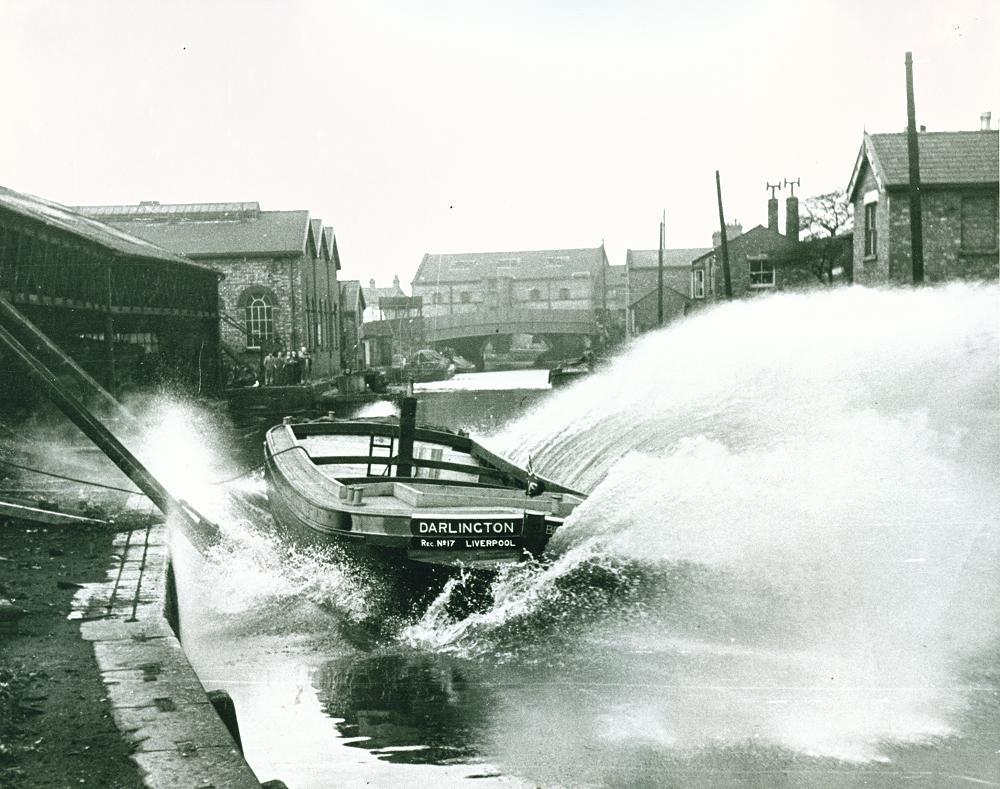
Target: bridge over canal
(564, 331)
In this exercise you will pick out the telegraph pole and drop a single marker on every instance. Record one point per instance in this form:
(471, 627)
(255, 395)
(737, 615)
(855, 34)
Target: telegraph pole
(913, 154)
(659, 271)
(725, 247)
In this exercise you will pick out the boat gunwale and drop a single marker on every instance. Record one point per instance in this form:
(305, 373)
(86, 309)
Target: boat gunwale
(456, 441)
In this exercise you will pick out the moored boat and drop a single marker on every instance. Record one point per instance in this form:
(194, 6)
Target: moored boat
(570, 371)
(416, 495)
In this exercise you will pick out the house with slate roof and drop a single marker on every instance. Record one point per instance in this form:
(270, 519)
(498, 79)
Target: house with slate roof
(642, 277)
(280, 289)
(958, 186)
(374, 295)
(760, 260)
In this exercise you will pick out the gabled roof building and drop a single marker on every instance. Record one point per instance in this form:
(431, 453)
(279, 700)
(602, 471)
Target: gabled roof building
(535, 279)
(112, 300)
(280, 289)
(374, 295)
(958, 185)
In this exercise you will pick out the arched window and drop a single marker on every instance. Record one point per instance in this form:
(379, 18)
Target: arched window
(535, 295)
(563, 294)
(259, 320)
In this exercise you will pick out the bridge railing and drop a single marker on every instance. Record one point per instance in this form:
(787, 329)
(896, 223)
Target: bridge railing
(510, 320)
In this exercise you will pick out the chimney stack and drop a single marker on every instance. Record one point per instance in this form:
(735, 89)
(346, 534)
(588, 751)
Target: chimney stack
(772, 207)
(732, 231)
(984, 120)
(792, 211)
(371, 283)
(792, 217)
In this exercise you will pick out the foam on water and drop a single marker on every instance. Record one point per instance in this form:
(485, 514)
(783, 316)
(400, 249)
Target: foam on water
(791, 541)
(795, 508)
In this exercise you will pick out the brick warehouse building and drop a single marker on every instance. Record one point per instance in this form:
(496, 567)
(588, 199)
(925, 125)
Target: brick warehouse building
(561, 279)
(279, 287)
(959, 187)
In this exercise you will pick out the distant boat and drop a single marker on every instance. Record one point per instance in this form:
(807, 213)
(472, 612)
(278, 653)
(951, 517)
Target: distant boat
(424, 365)
(570, 371)
(418, 496)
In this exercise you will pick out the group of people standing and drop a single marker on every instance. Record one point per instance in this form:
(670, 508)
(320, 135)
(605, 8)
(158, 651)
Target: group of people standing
(284, 368)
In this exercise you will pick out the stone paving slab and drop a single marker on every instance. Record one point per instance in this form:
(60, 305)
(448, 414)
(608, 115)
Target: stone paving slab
(122, 630)
(119, 655)
(221, 768)
(176, 728)
(157, 700)
(149, 687)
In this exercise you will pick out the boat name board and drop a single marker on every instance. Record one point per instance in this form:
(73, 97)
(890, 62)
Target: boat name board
(462, 543)
(478, 526)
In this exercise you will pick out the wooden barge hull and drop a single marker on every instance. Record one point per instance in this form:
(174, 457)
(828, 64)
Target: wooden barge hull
(410, 520)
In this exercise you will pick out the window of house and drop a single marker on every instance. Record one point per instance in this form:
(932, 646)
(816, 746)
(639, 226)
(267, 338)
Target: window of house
(563, 294)
(465, 297)
(761, 272)
(698, 284)
(438, 298)
(979, 222)
(259, 315)
(871, 234)
(491, 284)
(535, 295)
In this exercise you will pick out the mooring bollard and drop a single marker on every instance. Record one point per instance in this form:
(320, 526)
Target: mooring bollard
(226, 710)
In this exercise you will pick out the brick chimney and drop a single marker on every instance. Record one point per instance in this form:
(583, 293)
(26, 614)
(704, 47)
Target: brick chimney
(395, 280)
(772, 214)
(733, 230)
(984, 121)
(371, 283)
(792, 218)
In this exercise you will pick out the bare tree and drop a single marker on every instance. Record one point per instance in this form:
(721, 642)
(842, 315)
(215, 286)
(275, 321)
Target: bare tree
(827, 219)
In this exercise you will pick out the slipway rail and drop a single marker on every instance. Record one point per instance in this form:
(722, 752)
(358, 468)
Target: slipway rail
(15, 330)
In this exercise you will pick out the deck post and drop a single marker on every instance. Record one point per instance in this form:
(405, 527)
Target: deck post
(407, 425)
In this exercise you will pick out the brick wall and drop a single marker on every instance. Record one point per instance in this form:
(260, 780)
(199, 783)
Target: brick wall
(873, 269)
(279, 276)
(643, 280)
(239, 275)
(944, 258)
(319, 323)
(645, 312)
(510, 292)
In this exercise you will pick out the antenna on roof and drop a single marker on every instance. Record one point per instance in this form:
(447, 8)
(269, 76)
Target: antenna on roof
(772, 187)
(793, 184)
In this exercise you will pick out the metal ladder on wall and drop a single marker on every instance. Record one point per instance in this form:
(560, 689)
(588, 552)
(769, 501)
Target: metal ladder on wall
(381, 442)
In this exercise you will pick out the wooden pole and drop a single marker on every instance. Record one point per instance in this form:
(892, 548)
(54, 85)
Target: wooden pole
(407, 426)
(109, 339)
(659, 272)
(913, 154)
(724, 245)
(92, 427)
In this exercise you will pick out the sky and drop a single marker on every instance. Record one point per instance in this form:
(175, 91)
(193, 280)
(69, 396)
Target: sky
(462, 126)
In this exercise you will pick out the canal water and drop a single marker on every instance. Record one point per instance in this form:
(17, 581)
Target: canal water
(786, 572)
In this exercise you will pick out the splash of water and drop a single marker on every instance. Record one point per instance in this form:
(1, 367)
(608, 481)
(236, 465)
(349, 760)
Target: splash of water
(799, 493)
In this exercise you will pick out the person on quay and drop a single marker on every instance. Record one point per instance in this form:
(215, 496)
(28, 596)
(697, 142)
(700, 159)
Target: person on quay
(269, 369)
(305, 360)
(279, 368)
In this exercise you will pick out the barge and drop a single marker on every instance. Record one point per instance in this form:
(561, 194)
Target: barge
(414, 495)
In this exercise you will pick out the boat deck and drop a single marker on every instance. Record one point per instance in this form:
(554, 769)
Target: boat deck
(350, 487)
